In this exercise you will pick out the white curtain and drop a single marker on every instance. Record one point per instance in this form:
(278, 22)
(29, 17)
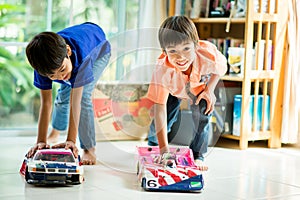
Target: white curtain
(291, 108)
(151, 15)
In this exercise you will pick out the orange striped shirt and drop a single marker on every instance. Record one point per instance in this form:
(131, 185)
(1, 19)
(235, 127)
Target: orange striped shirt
(166, 79)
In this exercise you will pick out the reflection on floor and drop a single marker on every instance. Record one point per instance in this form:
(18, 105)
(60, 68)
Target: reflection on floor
(255, 173)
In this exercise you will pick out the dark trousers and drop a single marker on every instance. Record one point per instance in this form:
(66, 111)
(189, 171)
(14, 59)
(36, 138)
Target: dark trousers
(200, 132)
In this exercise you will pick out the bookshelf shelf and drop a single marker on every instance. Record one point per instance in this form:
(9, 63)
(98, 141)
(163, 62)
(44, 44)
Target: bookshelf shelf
(219, 20)
(265, 17)
(232, 78)
(230, 136)
(251, 137)
(263, 79)
(253, 75)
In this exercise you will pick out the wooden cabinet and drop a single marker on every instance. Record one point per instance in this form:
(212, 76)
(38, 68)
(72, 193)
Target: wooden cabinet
(258, 26)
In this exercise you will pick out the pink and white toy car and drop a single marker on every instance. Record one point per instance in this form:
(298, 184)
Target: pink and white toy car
(177, 174)
(52, 166)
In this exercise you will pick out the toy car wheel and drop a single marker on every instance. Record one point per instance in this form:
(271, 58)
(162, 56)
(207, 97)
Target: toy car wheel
(81, 178)
(137, 168)
(77, 179)
(26, 175)
(143, 185)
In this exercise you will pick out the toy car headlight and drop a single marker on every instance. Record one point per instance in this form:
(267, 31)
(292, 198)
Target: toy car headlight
(38, 169)
(74, 170)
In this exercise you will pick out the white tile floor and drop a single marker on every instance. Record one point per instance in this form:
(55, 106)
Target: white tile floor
(255, 173)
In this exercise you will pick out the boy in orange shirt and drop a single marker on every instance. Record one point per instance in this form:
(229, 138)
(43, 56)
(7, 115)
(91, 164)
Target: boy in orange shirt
(188, 68)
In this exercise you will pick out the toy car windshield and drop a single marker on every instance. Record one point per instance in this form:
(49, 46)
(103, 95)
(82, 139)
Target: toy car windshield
(57, 157)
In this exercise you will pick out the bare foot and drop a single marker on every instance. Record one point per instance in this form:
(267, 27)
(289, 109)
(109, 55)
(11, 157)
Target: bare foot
(53, 137)
(89, 156)
(200, 164)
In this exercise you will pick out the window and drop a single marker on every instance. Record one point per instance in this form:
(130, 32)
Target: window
(20, 20)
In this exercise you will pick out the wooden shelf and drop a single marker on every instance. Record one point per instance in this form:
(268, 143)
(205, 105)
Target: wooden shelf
(261, 74)
(255, 27)
(219, 20)
(265, 17)
(232, 78)
(229, 136)
(256, 17)
(253, 75)
(258, 135)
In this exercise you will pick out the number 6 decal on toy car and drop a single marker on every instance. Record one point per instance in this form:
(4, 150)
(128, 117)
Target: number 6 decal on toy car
(152, 183)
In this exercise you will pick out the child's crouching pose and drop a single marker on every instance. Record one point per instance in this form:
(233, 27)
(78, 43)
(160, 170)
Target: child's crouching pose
(74, 57)
(188, 68)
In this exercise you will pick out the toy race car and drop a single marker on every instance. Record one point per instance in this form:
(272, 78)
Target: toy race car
(180, 175)
(52, 166)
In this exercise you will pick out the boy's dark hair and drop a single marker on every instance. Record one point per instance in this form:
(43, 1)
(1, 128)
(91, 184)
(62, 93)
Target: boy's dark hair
(46, 52)
(175, 30)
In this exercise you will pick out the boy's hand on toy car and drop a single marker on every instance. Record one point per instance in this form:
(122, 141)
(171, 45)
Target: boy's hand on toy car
(68, 145)
(210, 99)
(37, 146)
(167, 159)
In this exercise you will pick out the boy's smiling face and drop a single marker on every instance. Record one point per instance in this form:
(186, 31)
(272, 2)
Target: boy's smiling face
(181, 55)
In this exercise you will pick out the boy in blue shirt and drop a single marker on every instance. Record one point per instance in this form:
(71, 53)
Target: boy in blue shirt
(74, 57)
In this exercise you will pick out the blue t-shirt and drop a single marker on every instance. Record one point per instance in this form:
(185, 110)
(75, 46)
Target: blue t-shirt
(88, 43)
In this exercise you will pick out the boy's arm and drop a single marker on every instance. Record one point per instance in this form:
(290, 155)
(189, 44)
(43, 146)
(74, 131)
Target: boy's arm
(75, 107)
(75, 100)
(43, 122)
(208, 93)
(44, 115)
(160, 120)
